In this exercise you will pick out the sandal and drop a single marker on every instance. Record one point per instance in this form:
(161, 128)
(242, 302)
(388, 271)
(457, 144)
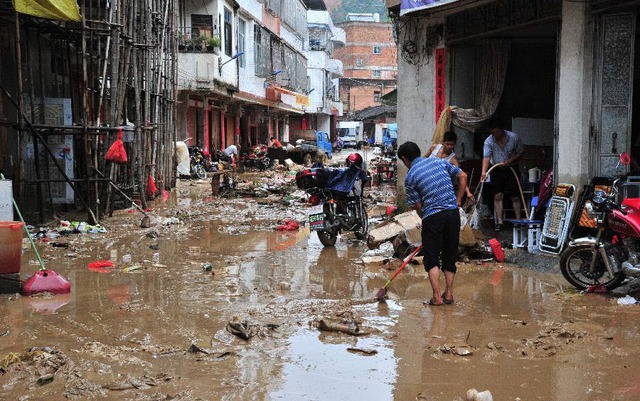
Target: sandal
(498, 228)
(446, 301)
(431, 302)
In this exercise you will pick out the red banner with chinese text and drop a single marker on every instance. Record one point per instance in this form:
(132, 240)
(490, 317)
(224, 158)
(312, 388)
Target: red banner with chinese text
(440, 82)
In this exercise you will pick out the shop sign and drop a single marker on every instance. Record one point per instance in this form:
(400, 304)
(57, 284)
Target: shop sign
(407, 6)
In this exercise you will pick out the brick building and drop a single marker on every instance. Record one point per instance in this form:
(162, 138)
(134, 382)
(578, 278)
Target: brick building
(370, 62)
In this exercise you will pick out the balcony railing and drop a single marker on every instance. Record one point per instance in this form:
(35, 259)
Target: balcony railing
(198, 40)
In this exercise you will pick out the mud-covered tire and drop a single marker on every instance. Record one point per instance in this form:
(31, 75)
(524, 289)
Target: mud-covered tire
(362, 233)
(327, 238)
(200, 171)
(574, 265)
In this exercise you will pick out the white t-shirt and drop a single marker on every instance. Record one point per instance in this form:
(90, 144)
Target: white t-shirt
(231, 150)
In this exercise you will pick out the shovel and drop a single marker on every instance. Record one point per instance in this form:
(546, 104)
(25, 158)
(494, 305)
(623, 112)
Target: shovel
(382, 292)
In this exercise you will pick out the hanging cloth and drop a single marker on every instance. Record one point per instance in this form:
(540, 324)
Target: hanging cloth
(63, 10)
(488, 87)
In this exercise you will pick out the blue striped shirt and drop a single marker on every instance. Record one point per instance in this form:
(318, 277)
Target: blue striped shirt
(429, 182)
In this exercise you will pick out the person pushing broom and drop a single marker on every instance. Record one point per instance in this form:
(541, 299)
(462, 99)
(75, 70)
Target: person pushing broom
(430, 191)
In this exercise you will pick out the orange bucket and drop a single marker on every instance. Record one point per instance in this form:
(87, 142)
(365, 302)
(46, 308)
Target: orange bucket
(10, 246)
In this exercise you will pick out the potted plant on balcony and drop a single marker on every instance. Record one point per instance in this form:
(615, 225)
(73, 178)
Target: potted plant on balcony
(213, 43)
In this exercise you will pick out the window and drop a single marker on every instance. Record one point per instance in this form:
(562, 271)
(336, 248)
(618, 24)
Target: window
(201, 25)
(377, 50)
(375, 74)
(376, 96)
(359, 62)
(257, 48)
(227, 32)
(242, 26)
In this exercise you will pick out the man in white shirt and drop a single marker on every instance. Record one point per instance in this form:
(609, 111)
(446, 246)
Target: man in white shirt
(232, 152)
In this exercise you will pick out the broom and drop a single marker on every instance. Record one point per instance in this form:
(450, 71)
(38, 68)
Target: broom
(382, 292)
(44, 280)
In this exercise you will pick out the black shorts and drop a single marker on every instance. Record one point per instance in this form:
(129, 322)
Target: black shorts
(440, 237)
(503, 181)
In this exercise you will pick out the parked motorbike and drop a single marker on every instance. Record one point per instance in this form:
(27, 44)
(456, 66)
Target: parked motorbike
(335, 200)
(257, 157)
(198, 162)
(605, 261)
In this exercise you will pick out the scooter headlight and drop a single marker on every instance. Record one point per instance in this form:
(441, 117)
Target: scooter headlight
(599, 198)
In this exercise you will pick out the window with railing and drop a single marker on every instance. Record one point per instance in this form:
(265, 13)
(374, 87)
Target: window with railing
(377, 50)
(376, 96)
(376, 74)
(262, 56)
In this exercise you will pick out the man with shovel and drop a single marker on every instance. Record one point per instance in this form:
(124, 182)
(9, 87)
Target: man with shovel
(430, 191)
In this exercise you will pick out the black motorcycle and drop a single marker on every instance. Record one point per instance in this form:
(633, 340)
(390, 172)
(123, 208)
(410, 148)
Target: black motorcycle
(335, 201)
(198, 162)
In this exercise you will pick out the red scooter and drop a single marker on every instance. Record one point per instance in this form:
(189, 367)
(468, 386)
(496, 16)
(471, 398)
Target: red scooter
(602, 263)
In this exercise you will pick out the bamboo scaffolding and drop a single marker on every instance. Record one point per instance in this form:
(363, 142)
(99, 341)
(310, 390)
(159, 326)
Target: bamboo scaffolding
(117, 66)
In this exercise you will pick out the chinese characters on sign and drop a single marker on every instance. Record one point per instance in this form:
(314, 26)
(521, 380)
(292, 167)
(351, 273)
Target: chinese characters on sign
(440, 68)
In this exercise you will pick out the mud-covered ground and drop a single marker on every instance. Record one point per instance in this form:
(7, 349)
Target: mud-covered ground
(161, 326)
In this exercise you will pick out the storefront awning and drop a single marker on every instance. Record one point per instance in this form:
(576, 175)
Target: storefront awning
(408, 6)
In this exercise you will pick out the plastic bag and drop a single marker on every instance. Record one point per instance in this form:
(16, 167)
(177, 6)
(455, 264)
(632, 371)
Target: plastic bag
(117, 153)
(151, 187)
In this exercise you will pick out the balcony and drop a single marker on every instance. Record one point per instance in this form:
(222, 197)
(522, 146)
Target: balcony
(191, 40)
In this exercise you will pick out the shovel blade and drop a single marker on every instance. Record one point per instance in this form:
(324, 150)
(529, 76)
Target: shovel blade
(46, 281)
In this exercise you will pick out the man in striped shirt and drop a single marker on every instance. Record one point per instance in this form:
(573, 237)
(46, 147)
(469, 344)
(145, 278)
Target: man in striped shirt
(430, 191)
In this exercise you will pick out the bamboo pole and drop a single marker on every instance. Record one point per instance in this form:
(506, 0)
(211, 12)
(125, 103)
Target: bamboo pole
(19, 170)
(36, 150)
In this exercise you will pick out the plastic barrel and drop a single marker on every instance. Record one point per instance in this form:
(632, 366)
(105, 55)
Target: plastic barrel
(10, 246)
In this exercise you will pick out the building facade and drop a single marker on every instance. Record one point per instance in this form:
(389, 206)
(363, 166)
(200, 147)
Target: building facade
(369, 58)
(561, 74)
(256, 79)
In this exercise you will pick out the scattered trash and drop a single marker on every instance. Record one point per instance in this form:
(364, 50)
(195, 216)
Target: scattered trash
(239, 329)
(362, 351)
(132, 268)
(339, 325)
(194, 349)
(46, 379)
(207, 267)
(597, 289)
(101, 266)
(498, 253)
(626, 301)
(456, 350)
(60, 244)
(474, 395)
(288, 225)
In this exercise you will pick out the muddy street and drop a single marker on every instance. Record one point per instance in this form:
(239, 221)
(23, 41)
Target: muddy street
(169, 321)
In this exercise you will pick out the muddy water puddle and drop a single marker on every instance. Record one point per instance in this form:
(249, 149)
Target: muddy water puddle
(128, 335)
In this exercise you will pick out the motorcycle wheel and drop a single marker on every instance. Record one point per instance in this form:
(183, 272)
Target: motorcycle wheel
(327, 238)
(199, 171)
(574, 265)
(362, 233)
